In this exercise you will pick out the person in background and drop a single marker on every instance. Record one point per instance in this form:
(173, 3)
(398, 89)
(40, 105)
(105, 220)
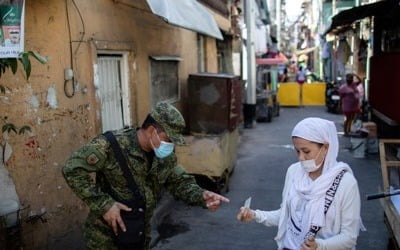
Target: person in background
(349, 98)
(301, 79)
(360, 88)
(321, 204)
(149, 153)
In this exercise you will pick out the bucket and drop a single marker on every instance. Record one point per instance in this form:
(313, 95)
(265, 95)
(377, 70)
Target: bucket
(9, 212)
(358, 146)
(372, 145)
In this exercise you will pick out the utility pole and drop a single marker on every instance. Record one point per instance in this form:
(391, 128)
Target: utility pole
(278, 24)
(249, 107)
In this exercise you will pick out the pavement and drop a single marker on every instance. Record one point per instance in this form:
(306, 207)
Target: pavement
(264, 154)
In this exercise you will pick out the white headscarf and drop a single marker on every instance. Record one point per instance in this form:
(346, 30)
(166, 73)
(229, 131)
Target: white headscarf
(310, 195)
(321, 131)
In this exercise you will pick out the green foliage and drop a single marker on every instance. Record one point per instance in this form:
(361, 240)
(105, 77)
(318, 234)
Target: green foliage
(12, 64)
(9, 127)
(23, 129)
(26, 62)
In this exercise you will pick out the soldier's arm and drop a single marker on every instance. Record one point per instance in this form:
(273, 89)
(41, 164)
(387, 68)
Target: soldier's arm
(184, 187)
(77, 172)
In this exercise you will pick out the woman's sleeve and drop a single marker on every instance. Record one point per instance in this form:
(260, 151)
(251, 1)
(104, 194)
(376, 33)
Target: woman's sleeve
(350, 216)
(268, 218)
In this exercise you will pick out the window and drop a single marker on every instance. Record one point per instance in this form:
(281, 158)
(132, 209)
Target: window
(164, 79)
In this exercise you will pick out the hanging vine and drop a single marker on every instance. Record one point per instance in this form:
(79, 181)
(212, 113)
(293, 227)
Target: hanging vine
(12, 64)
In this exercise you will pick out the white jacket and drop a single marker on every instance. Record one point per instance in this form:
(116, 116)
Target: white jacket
(342, 219)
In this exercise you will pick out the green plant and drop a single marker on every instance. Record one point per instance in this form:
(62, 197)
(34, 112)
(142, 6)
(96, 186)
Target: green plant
(12, 64)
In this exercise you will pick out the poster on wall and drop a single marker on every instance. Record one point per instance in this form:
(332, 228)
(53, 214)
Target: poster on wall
(12, 13)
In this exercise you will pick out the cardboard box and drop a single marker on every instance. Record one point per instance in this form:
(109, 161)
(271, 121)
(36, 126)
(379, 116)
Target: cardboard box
(372, 129)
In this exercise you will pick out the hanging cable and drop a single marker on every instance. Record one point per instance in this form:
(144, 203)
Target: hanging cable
(83, 27)
(68, 93)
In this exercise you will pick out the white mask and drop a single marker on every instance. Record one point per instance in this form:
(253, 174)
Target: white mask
(310, 165)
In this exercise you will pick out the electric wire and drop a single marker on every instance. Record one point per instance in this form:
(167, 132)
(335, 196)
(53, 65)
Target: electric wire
(66, 92)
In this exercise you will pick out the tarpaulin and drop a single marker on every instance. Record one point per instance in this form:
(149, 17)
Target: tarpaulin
(188, 14)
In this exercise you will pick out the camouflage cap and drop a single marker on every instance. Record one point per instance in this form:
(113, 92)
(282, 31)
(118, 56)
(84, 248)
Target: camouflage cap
(171, 120)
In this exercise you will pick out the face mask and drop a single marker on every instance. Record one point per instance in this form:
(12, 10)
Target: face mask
(164, 150)
(310, 165)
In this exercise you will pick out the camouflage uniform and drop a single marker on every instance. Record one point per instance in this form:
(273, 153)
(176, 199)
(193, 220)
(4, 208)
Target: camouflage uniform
(97, 157)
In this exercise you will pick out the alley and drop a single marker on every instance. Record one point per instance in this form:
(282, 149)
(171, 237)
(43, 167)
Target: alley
(265, 153)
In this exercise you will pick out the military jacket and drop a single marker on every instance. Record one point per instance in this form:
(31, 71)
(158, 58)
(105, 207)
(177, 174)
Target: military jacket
(97, 157)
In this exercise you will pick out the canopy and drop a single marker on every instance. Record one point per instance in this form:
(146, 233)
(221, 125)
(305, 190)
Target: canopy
(188, 14)
(347, 17)
(271, 61)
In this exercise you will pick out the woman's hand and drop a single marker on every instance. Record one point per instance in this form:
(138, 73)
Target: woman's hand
(309, 244)
(246, 215)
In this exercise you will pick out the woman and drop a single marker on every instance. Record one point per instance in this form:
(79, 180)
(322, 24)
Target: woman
(349, 98)
(301, 79)
(315, 183)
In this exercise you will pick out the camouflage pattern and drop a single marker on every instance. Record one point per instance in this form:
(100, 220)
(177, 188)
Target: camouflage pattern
(97, 157)
(171, 120)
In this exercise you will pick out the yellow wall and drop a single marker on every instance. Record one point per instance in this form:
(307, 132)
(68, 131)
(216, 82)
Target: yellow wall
(38, 157)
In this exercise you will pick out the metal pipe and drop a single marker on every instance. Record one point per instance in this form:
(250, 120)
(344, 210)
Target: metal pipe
(278, 23)
(251, 56)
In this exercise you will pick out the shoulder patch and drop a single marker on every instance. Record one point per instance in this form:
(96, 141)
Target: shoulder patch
(92, 159)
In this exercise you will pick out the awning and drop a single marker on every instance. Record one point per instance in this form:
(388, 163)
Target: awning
(188, 14)
(347, 17)
(271, 61)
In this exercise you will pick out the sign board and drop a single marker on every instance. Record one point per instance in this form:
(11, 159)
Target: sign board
(12, 13)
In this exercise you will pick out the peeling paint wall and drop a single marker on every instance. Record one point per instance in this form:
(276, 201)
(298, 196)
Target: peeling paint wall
(61, 124)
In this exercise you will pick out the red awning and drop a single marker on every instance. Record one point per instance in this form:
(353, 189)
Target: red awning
(270, 61)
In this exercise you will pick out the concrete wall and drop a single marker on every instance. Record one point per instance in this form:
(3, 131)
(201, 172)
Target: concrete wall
(61, 124)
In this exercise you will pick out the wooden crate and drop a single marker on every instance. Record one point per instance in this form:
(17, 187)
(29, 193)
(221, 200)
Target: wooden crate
(390, 166)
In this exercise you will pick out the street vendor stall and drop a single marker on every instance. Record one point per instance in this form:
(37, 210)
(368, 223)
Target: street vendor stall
(267, 85)
(210, 158)
(210, 150)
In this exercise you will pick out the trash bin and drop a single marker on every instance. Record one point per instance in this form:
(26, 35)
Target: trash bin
(372, 145)
(358, 147)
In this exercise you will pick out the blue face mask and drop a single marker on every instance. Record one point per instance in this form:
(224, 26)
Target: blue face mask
(164, 150)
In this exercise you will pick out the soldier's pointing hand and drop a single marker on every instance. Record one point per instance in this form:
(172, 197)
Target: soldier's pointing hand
(213, 200)
(113, 216)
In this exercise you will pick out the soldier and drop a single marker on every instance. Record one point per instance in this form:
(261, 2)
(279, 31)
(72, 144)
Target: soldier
(152, 163)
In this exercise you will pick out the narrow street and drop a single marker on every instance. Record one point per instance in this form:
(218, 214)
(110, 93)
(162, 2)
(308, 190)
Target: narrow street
(265, 152)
